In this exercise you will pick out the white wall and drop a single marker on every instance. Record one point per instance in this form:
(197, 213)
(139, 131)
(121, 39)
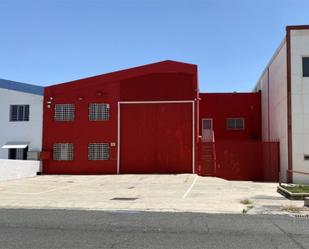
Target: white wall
(300, 105)
(26, 131)
(273, 86)
(14, 169)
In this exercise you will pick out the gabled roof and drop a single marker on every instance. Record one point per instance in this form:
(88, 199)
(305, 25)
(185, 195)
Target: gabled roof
(21, 87)
(158, 67)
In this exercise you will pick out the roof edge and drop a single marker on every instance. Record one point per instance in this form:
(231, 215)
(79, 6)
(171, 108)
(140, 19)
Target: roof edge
(21, 87)
(296, 27)
(118, 74)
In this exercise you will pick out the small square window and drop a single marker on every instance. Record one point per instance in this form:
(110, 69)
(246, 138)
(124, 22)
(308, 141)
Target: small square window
(98, 151)
(98, 112)
(19, 113)
(235, 123)
(18, 153)
(305, 66)
(63, 152)
(64, 112)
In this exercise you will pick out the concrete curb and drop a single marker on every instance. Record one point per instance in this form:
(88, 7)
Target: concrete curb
(306, 202)
(290, 195)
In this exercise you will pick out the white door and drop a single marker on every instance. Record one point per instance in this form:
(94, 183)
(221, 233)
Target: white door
(207, 130)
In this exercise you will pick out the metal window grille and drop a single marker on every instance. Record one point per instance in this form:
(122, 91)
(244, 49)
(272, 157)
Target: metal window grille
(98, 112)
(98, 151)
(64, 112)
(235, 123)
(19, 112)
(19, 154)
(63, 152)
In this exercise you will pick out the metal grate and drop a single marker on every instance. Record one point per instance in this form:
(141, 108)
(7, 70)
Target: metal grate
(19, 154)
(19, 113)
(98, 112)
(64, 112)
(98, 151)
(63, 152)
(124, 199)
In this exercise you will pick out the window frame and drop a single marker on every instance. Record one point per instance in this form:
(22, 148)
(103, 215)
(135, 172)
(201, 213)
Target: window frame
(18, 153)
(235, 119)
(91, 111)
(22, 113)
(92, 156)
(69, 156)
(63, 119)
(211, 121)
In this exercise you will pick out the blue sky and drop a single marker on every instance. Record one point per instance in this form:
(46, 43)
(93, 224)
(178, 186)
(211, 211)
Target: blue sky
(231, 41)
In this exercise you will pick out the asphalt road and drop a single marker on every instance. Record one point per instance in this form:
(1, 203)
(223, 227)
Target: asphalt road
(98, 229)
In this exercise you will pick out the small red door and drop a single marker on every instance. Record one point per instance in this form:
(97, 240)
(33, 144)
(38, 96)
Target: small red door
(156, 138)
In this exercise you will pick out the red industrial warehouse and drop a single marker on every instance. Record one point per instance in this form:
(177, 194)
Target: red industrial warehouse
(140, 120)
(152, 119)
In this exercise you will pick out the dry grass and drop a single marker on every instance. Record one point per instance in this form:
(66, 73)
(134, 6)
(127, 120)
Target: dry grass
(291, 208)
(246, 202)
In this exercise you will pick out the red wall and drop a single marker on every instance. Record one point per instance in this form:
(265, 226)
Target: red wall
(166, 80)
(159, 86)
(220, 106)
(249, 160)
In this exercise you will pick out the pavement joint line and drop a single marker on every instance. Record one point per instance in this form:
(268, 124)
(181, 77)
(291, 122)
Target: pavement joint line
(42, 192)
(190, 188)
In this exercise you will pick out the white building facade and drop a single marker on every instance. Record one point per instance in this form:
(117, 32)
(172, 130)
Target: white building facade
(21, 120)
(284, 85)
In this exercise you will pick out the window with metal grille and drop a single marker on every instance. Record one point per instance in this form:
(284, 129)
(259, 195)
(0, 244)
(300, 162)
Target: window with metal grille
(63, 152)
(98, 151)
(235, 123)
(19, 113)
(18, 153)
(64, 112)
(98, 112)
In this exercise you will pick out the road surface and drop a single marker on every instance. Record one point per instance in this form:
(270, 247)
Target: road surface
(21, 228)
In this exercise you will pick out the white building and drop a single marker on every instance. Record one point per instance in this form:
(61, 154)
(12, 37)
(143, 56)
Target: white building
(285, 103)
(21, 120)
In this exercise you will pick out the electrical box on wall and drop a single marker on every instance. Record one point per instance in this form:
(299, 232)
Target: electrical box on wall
(33, 155)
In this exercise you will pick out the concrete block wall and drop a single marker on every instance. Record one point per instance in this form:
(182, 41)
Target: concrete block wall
(15, 169)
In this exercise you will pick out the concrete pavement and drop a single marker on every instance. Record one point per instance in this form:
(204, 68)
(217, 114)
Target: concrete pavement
(180, 193)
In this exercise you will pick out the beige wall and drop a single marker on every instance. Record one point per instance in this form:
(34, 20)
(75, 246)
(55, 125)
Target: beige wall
(300, 105)
(273, 86)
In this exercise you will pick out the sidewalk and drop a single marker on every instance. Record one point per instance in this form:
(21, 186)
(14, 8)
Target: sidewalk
(179, 193)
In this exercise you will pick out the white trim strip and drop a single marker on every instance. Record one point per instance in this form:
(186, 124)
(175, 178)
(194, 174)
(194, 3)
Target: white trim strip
(156, 102)
(118, 143)
(193, 139)
(190, 188)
